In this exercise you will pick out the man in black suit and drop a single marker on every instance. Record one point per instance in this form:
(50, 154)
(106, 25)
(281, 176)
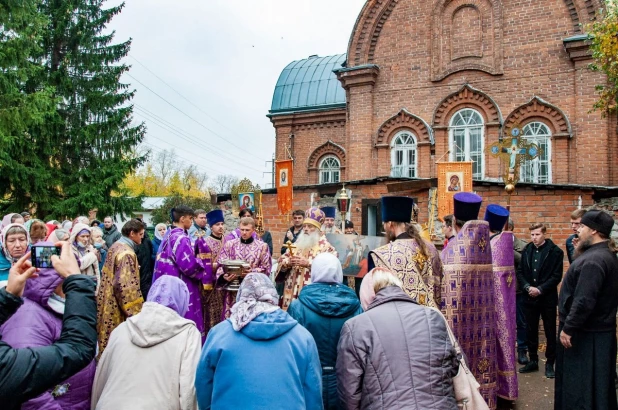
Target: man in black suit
(539, 274)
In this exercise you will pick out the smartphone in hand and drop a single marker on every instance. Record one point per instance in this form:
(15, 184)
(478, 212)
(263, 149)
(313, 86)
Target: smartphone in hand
(41, 255)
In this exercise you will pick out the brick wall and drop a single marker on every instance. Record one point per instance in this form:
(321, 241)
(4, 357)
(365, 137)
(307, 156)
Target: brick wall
(523, 57)
(550, 206)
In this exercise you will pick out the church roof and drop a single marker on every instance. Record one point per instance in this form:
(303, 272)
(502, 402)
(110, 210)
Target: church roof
(309, 84)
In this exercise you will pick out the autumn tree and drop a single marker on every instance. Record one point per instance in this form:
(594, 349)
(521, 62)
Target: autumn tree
(162, 214)
(604, 38)
(165, 175)
(223, 183)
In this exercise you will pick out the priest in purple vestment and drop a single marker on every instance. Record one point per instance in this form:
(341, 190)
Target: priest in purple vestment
(177, 258)
(248, 249)
(505, 282)
(235, 234)
(468, 293)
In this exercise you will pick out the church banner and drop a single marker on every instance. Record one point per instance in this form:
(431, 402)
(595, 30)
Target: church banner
(283, 177)
(453, 177)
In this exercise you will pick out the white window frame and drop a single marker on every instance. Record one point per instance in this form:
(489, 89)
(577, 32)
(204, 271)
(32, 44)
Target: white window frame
(466, 149)
(531, 133)
(404, 169)
(331, 171)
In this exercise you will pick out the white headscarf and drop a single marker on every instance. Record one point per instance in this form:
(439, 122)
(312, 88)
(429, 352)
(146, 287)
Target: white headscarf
(156, 232)
(3, 236)
(256, 295)
(326, 268)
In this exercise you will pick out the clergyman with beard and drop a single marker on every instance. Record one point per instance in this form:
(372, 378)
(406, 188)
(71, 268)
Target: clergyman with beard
(586, 353)
(295, 264)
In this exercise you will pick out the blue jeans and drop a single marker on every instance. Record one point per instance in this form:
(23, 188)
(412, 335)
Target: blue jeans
(522, 344)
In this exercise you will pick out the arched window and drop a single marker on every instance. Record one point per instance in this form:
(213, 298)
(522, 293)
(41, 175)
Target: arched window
(466, 140)
(538, 170)
(329, 170)
(403, 155)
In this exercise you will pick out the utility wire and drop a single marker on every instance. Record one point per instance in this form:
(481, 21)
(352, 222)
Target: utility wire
(160, 122)
(185, 114)
(184, 98)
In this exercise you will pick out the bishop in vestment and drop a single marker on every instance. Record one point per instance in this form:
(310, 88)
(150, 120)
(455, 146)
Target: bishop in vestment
(119, 295)
(505, 282)
(415, 261)
(294, 267)
(468, 300)
(246, 248)
(177, 257)
(210, 248)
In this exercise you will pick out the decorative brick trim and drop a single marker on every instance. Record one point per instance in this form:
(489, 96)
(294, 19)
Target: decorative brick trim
(491, 62)
(357, 76)
(467, 97)
(367, 30)
(404, 119)
(328, 148)
(538, 109)
(574, 15)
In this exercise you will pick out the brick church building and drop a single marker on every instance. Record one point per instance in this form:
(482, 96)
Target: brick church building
(430, 80)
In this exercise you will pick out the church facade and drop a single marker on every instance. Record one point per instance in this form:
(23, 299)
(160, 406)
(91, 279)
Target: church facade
(427, 81)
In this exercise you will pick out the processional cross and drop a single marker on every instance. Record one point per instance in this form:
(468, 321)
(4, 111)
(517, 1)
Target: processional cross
(290, 246)
(513, 152)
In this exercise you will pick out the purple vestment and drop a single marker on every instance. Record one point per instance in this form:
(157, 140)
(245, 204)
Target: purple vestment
(177, 257)
(235, 234)
(468, 302)
(255, 254)
(504, 285)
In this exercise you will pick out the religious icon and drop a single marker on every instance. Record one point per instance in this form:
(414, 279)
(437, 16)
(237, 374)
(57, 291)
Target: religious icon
(454, 181)
(283, 177)
(247, 201)
(354, 251)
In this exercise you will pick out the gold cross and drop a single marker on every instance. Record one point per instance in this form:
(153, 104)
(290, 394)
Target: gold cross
(419, 259)
(200, 234)
(290, 246)
(509, 280)
(513, 152)
(482, 244)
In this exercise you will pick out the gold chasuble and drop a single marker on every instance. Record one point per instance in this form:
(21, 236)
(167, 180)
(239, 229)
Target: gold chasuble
(421, 276)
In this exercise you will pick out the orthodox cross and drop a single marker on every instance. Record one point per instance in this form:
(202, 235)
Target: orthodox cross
(513, 152)
(290, 246)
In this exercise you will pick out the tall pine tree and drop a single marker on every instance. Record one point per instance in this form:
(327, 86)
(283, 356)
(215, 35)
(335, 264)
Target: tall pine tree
(91, 130)
(93, 127)
(24, 104)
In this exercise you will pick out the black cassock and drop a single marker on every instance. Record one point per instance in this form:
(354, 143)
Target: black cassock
(585, 372)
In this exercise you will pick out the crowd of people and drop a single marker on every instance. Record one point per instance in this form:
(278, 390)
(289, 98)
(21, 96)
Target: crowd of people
(197, 317)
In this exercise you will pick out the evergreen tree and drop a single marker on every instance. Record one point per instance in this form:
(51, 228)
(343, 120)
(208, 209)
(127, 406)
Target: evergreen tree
(92, 127)
(24, 103)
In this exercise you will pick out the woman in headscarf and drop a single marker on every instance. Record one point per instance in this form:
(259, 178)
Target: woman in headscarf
(322, 308)
(99, 244)
(159, 233)
(15, 241)
(86, 255)
(39, 323)
(259, 348)
(150, 360)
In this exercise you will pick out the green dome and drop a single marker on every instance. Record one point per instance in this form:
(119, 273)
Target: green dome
(309, 84)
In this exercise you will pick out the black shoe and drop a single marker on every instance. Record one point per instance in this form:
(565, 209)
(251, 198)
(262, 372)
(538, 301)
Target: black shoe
(549, 371)
(522, 357)
(532, 366)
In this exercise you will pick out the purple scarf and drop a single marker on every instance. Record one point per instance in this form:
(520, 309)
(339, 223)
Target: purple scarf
(170, 292)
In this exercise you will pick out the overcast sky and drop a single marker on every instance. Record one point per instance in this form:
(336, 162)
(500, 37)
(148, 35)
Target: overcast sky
(221, 60)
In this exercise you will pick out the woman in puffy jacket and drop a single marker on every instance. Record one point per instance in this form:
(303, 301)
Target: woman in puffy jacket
(38, 322)
(322, 308)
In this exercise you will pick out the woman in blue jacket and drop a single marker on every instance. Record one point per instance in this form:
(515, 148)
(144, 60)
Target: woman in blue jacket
(322, 308)
(259, 358)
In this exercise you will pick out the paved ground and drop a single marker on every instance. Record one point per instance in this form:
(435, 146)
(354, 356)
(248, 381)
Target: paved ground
(535, 392)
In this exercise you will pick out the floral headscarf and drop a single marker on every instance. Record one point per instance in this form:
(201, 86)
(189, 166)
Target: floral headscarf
(170, 292)
(256, 295)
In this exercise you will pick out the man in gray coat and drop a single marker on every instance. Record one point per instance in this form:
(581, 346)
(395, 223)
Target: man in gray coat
(396, 355)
